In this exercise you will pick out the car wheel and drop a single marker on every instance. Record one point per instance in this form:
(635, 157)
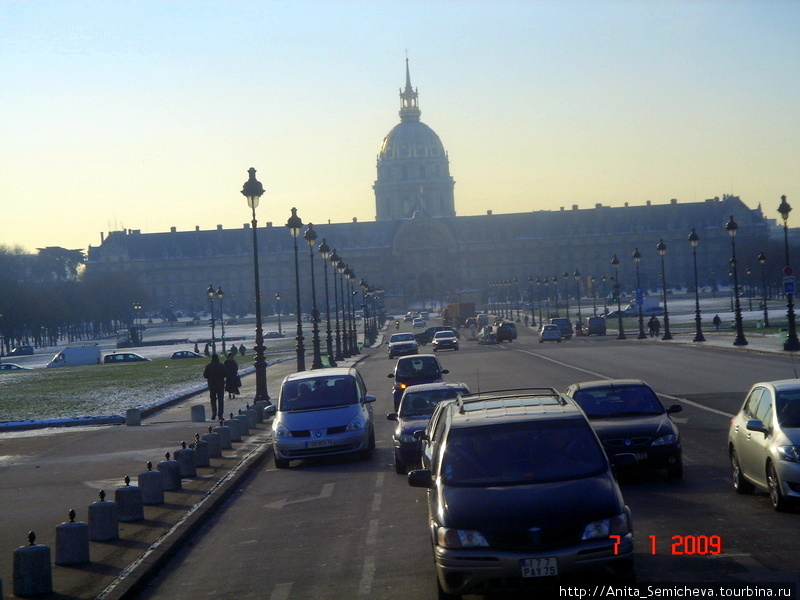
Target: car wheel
(779, 501)
(399, 467)
(281, 463)
(675, 471)
(740, 484)
(442, 595)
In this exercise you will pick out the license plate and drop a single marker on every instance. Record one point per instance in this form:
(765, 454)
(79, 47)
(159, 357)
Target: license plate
(641, 456)
(539, 567)
(319, 443)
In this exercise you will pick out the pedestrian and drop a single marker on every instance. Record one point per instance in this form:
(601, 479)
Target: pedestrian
(234, 349)
(196, 349)
(241, 349)
(717, 322)
(232, 381)
(215, 374)
(205, 350)
(651, 325)
(656, 326)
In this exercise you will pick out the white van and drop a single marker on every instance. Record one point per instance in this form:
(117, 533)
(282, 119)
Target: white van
(76, 355)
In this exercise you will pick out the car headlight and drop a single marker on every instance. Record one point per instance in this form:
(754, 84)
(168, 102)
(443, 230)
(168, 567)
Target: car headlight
(460, 538)
(789, 453)
(603, 528)
(665, 440)
(280, 431)
(357, 424)
(407, 438)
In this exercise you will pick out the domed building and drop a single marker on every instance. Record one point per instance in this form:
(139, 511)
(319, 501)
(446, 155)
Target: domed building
(413, 167)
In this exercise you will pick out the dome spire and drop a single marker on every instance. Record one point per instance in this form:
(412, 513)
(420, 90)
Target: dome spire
(409, 111)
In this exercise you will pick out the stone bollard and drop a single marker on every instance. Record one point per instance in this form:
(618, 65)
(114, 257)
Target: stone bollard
(213, 440)
(171, 472)
(152, 485)
(259, 407)
(103, 520)
(244, 423)
(185, 458)
(224, 433)
(251, 415)
(198, 413)
(33, 574)
(129, 502)
(133, 416)
(72, 542)
(236, 429)
(201, 452)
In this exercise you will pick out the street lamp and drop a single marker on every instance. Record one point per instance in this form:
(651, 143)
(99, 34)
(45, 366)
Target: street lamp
(615, 264)
(295, 224)
(578, 295)
(662, 250)
(137, 322)
(220, 296)
(311, 238)
(278, 310)
(731, 228)
(325, 253)
(365, 295)
(566, 294)
(639, 293)
(698, 336)
(353, 335)
(546, 282)
(341, 266)
(335, 259)
(762, 260)
(605, 296)
(253, 190)
(792, 343)
(554, 281)
(211, 295)
(539, 300)
(593, 281)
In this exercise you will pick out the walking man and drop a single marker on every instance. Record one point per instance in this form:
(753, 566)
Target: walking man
(215, 374)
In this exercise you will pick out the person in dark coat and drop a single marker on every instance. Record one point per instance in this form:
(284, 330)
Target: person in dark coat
(232, 381)
(215, 373)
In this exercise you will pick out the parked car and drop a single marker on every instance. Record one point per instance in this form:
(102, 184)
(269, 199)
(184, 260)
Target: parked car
(186, 354)
(322, 413)
(21, 351)
(564, 326)
(416, 408)
(401, 344)
(121, 357)
(549, 333)
(444, 340)
(505, 331)
(413, 370)
(764, 442)
(508, 479)
(596, 326)
(630, 419)
(12, 367)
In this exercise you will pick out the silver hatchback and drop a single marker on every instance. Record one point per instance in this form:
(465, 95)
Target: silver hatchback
(321, 413)
(764, 442)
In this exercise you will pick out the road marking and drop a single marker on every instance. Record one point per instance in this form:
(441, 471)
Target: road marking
(376, 502)
(281, 591)
(365, 585)
(327, 490)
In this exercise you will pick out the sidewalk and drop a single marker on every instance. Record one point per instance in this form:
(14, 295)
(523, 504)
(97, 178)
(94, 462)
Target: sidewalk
(47, 472)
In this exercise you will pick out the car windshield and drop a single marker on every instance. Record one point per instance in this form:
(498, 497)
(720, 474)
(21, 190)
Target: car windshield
(788, 408)
(402, 337)
(417, 368)
(421, 404)
(610, 402)
(521, 453)
(317, 393)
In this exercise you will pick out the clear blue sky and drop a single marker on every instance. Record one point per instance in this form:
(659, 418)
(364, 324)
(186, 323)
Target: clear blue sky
(147, 114)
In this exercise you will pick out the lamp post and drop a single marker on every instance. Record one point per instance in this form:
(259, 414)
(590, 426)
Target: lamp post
(593, 281)
(342, 267)
(253, 190)
(605, 295)
(546, 282)
(295, 224)
(211, 295)
(615, 264)
(220, 296)
(554, 281)
(325, 253)
(310, 237)
(792, 343)
(530, 301)
(364, 300)
(566, 294)
(353, 335)
(731, 228)
(278, 310)
(662, 250)
(137, 318)
(639, 293)
(762, 260)
(698, 336)
(577, 276)
(539, 299)
(335, 259)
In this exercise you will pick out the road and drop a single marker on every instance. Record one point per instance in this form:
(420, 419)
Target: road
(345, 528)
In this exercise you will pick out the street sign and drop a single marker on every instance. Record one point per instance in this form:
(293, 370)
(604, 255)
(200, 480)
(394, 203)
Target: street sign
(788, 271)
(789, 284)
(639, 296)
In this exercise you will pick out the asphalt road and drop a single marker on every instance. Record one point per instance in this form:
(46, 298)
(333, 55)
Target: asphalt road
(346, 528)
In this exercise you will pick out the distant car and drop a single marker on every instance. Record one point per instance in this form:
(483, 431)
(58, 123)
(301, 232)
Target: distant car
(565, 326)
(471, 322)
(21, 351)
(596, 326)
(401, 344)
(418, 323)
(186, 354)
(413, 370)
(121, 357)
(416, 408)
(12, 367)
(505, 331)
(408, 317)
(444, 340)
(630, 419)
(549, 333)
(764, 442)
(426, 336)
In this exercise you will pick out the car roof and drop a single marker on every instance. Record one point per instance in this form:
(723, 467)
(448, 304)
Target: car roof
(781, 385)
(488, 408)
(441, 385)
(314, 373)
(417, 357)
(608, 383)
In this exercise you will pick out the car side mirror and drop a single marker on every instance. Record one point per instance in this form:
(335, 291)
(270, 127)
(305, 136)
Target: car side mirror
(675, 408)
(269, 411)
(420, 478)
(390, 375)
(421, 436)
(757, 425)
(391, 417)
(369, 398)
(445, 371)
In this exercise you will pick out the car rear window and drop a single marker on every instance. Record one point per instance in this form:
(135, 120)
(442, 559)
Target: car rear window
(417, 368)
(317, 393)
(420, 404)
(619, 401)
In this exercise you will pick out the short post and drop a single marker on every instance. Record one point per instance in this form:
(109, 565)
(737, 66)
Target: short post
(198, 413)
(103, 520)
(152, 485)
(213, 440)
(171, 472)
(129, 502)
(235, 428)
(133, 417)
(33, 574)
(244, 423)
(72, 542)
(185, 458)
(224, 433)
(252, 416)
(201, 452)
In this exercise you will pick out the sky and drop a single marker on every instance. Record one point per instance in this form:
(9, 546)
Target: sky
(146, 115)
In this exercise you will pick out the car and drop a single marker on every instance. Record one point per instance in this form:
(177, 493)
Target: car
(418, 323)
(426, 337)
(401, 344)
(322, 412)
(413, 370)
(444, 340)
(471, 322)
(186, 354)
(564, 326)
(549, 333)
(505, 331)
(408, 317)
(629, 418)
(12, 367)
(424, 315)
(121, 357)
(21, 351)
(507, 475)
(764, 442)
(595, 326)
(416, 408)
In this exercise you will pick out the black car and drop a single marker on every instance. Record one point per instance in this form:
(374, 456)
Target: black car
(505, 331)
(508, 477)
(21, 351)
(630, 419)
(426, 337)
(413, 370)
(121, 357)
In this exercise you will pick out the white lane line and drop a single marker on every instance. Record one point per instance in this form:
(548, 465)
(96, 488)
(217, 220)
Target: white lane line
(281, 591)
(376, 502)
(365, 585)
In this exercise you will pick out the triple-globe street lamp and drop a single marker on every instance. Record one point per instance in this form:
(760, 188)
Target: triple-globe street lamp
(731, 226)
(211, 293)
(617, 290)
(762, 260)
(310, 237)
(295, 224)
(792, 343)
(662, 250)
(698, 336)
(639, 293)
(325, 252)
